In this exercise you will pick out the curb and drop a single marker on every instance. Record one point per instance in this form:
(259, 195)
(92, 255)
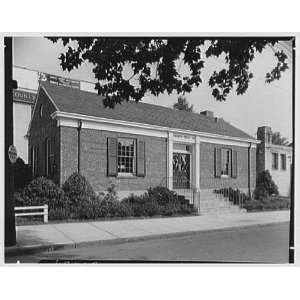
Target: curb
(19, 251)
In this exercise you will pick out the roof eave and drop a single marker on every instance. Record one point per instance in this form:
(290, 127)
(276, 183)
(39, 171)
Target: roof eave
(66, 115)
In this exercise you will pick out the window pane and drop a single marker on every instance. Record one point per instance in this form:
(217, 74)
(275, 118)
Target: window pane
(126, 155)
(275, 161)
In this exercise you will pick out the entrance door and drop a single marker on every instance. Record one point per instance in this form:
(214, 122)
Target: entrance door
(181, 170)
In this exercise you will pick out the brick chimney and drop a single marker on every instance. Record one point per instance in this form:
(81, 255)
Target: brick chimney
(264, 133)
(207, 113)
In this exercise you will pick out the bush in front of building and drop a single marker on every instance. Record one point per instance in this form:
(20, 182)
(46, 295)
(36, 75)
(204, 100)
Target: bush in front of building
(77, 188)
(158, 201)
(270, 203)
(265, 186)
(41, 191)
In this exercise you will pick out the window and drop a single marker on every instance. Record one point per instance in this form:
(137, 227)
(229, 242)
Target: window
(34, 160)
(126, 156)
(283, 161)
(41, 110)
(49, 156)
(275, 161)
(226, 162)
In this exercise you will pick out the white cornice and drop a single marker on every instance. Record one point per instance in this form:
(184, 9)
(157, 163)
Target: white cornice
(90, 122)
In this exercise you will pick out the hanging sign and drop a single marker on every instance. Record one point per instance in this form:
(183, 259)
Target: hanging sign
(59, 80)
(24, 96)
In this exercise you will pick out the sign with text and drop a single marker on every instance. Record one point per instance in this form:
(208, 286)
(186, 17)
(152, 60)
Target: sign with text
(24, 96)
(59, 80)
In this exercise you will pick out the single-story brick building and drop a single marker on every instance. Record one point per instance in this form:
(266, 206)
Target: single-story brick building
(137, 145)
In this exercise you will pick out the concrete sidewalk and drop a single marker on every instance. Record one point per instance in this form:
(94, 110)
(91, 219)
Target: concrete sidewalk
(34, 238)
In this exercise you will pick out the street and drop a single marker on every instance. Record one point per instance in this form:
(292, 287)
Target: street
(254, 244)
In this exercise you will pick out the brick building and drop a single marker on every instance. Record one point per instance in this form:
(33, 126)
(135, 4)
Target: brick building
(136, 145)
(275, 158)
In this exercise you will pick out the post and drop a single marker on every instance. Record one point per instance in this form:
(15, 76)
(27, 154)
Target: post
(78, 145)
(45, 213)
(10, 226)
(170, 161)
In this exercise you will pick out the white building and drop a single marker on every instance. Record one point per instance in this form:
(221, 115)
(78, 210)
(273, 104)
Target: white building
(275, 158)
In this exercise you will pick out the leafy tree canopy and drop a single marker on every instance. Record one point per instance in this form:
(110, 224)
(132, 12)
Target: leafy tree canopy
(153, 64)
(182, 104)
(277, 139)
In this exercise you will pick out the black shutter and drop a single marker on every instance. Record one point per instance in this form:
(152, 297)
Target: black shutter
(112, 157)
(218, 162)
(234, 163)
(141, 160)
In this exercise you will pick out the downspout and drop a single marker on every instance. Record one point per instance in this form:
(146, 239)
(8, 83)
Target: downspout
(78, 145)
(249, 170)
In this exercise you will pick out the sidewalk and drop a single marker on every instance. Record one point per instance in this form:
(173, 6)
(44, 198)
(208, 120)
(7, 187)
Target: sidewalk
(35, 238)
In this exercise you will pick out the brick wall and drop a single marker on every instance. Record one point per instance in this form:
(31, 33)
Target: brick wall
(207, 168)
(94, 159)
(41, 128)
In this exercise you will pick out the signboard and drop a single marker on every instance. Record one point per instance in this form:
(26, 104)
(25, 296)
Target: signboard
(24, 96)
(59, 80)
(12, 154)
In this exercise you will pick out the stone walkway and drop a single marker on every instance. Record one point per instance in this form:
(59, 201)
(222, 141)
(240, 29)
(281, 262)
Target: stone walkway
(64, 235)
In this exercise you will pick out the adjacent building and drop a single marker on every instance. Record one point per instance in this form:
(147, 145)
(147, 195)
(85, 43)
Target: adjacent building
(137, 145)
(275, 158)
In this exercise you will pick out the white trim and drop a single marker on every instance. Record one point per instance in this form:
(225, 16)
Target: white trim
(90, 122)
(197, 164)
(170, 161)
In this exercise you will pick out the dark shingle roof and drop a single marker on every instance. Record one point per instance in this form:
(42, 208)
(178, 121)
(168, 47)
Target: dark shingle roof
(72, 100)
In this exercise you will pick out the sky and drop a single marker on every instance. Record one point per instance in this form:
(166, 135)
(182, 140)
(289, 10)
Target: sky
(262, 105)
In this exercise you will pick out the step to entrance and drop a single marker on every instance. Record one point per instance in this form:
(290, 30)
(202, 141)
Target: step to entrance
(212, 203)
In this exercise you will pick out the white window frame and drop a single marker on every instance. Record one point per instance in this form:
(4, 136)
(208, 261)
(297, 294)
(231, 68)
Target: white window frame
(127, 174)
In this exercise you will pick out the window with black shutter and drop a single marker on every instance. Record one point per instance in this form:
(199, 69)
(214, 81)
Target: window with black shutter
(125, 157)
(49, 156)
(225, 162)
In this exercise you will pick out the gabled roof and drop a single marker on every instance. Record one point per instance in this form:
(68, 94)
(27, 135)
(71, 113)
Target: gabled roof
(70, 100)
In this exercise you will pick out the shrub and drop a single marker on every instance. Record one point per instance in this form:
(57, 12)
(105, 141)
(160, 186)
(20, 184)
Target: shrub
(162, 195)
(158, 201)
(78, 189)
(265, 186)
(271, 203)
(22, 174)
(41, 191)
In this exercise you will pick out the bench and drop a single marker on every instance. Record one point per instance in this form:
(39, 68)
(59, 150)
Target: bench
(38, 213)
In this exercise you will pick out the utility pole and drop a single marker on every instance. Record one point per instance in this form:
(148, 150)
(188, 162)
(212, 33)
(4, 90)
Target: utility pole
(10, 226)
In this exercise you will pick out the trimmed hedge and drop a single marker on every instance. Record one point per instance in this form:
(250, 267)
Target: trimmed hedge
(271, 203)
